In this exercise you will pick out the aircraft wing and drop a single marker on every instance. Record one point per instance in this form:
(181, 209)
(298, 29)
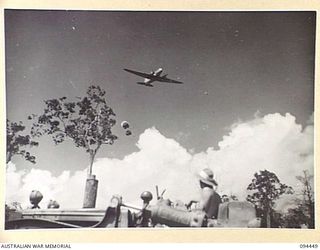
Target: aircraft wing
(153, 77)
(149, 76)
(165, 79)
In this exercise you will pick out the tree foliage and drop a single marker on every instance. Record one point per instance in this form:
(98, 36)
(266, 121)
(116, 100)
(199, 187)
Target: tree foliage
(306, 204)
(17, 142)
(295, 217)
(87, 122)
(265, 189)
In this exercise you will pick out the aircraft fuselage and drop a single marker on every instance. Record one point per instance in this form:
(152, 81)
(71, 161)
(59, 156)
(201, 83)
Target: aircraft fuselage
(155, 73)
(154, 76)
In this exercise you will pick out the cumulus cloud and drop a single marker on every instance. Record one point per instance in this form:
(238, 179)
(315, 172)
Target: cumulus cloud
(273, 142)
(19, 185)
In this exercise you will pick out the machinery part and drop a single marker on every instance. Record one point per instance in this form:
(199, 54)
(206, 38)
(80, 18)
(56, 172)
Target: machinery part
(37, 223)
(53, 204)
(172, 217)
(35, 198)
(146, 197)
(231, 214)
(113, 217)
(237, 214)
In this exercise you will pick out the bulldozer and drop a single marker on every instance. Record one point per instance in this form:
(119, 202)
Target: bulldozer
(231, 214)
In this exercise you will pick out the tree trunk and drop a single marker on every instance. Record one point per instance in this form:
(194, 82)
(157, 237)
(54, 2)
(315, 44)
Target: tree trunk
(8, 157)
(92, 155)
(310, 206)
(308, 200)
(268, 218)
(91, 189)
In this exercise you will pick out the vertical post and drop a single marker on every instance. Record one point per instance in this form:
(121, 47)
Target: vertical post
(90, 192)
(268, 218)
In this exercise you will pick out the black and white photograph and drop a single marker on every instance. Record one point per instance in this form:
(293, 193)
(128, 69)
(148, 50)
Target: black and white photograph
(159, 119)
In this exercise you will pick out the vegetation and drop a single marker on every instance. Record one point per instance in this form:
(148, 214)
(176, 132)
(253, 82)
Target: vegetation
(303, 213)
(266, 189)
(17, 142)
(87, 122)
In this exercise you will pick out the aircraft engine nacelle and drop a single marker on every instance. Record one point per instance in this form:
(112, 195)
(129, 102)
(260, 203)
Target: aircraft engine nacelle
(158, 72)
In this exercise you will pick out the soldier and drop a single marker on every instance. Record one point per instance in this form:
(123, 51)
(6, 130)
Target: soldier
(209, 200)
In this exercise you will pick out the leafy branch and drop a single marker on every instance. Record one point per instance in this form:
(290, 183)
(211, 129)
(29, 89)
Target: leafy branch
(87, 122)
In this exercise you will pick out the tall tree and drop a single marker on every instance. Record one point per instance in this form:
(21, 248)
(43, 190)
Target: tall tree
(87, 122)
(307, 202)
(265, 189)
(17, 142)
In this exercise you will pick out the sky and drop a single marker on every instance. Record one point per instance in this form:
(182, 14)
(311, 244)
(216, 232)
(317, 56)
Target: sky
(246, 104)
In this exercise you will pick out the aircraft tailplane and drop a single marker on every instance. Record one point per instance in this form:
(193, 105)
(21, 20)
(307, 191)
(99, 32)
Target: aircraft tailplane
(145, 84)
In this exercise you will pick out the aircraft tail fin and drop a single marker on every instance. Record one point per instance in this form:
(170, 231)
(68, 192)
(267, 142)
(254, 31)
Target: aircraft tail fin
(145, 84)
